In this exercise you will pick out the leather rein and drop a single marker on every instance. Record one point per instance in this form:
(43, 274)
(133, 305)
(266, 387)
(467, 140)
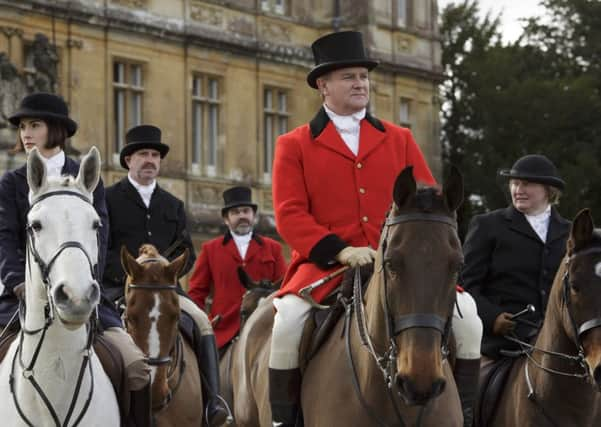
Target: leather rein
(394, 325)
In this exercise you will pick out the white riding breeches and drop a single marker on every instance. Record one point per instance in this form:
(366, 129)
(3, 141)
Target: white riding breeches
(467, 328)
(293, 311)
(288, 324)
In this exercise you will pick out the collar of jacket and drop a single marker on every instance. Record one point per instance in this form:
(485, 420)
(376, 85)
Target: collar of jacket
(558, 226)
(71, 167)
(321, 119)
(227, 236)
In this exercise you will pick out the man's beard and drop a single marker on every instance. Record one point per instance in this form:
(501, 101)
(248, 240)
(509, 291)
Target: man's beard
(242, 229)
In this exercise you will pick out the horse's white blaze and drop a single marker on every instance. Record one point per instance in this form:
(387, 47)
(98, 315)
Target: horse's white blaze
(598, 269)
(154, 341)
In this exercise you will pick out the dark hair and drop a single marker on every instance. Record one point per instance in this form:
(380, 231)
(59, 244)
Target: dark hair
(57, 135)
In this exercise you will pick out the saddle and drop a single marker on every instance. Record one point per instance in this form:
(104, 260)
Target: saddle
(321, 323)
(492, 382)
(110, 359)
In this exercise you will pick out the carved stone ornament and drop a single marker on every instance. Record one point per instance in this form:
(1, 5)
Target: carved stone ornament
(206, 15)
(273, 31)
(132, 3)
(403, 43)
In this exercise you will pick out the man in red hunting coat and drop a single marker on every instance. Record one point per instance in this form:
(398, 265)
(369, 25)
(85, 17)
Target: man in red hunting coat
(216, 267)
(332, 185)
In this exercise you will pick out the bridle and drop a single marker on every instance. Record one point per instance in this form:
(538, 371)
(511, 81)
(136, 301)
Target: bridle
(177, 349)
(394, 324)
(28, 370)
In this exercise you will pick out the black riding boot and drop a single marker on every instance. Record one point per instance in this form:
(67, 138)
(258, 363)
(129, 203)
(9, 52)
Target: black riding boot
(467, 373)
(208, 362)
(140, 407)
(284, 396)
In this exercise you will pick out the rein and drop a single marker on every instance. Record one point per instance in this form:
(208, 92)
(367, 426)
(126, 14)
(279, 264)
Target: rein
(394, 326)
(28, 370)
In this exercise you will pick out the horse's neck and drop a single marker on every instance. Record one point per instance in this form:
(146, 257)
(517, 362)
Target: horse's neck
(374, 312)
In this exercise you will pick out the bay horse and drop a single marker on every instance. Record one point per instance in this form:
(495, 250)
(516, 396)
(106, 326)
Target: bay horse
(51, 375)
(558, 381)
(384, 363)
(151, 317)
(256, 293)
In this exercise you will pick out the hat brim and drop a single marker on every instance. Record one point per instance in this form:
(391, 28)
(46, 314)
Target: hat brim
(539, 179)
(70, 125)
(235, 205)
(326, 67)
(130, 148)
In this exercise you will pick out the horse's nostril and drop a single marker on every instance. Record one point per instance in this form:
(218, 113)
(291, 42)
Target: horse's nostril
(60, 295)
(438, 387)
(597, 375)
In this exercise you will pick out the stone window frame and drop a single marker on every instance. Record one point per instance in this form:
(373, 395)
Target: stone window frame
(278, 7)
(276, 120)
(400, 19)
(206, 91)
(406, 110)
(127, 82)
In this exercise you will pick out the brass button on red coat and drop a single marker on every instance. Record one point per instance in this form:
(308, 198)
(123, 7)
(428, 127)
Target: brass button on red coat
(362, 190)
(359, 165)
(364, 219)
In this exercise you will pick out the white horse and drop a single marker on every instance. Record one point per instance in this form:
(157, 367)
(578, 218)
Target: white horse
(51, 375)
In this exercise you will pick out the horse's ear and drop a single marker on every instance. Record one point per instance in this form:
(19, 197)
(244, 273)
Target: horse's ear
(89, 171)
(404, 187)
(176, 266)
(245, 279)
(36, 171)
(581, 233)
(129, 263)
(453, 189)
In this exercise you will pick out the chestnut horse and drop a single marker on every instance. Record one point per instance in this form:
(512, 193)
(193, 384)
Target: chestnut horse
(558, 382)
(152, 319)
(384, 363)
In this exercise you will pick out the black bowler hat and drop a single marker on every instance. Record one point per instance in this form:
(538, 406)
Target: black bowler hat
(237, 196)
(139, 137)
(42, 105)
(535, 168)
(338, 50)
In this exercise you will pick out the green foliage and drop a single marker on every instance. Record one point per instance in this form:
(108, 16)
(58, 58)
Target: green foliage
(538, 95)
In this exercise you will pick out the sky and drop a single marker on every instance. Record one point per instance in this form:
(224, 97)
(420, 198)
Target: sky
(512, 10)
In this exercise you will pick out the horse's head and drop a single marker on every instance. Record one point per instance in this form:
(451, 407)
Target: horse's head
(578, 288)
(256, 291)
(419, 261)
(62, 228)
(152, 307)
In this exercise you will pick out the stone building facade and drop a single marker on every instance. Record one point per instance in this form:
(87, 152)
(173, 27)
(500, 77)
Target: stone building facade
(221, 78)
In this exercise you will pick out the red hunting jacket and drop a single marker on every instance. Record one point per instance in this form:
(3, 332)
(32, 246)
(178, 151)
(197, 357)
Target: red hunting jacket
(325, 198)
(216, 269)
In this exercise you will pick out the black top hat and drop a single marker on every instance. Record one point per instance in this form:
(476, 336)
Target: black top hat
(42, 105)
(237, 196)
(338, 50)
(139, 137)
(535, 168)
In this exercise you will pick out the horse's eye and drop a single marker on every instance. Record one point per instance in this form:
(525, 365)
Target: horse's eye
(575, 287)
(97, 224)
(36, 225)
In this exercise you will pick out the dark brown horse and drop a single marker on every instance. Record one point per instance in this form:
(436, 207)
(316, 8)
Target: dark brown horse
(256, 293)
(152, 318)
(383, 364)
(558, 382)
